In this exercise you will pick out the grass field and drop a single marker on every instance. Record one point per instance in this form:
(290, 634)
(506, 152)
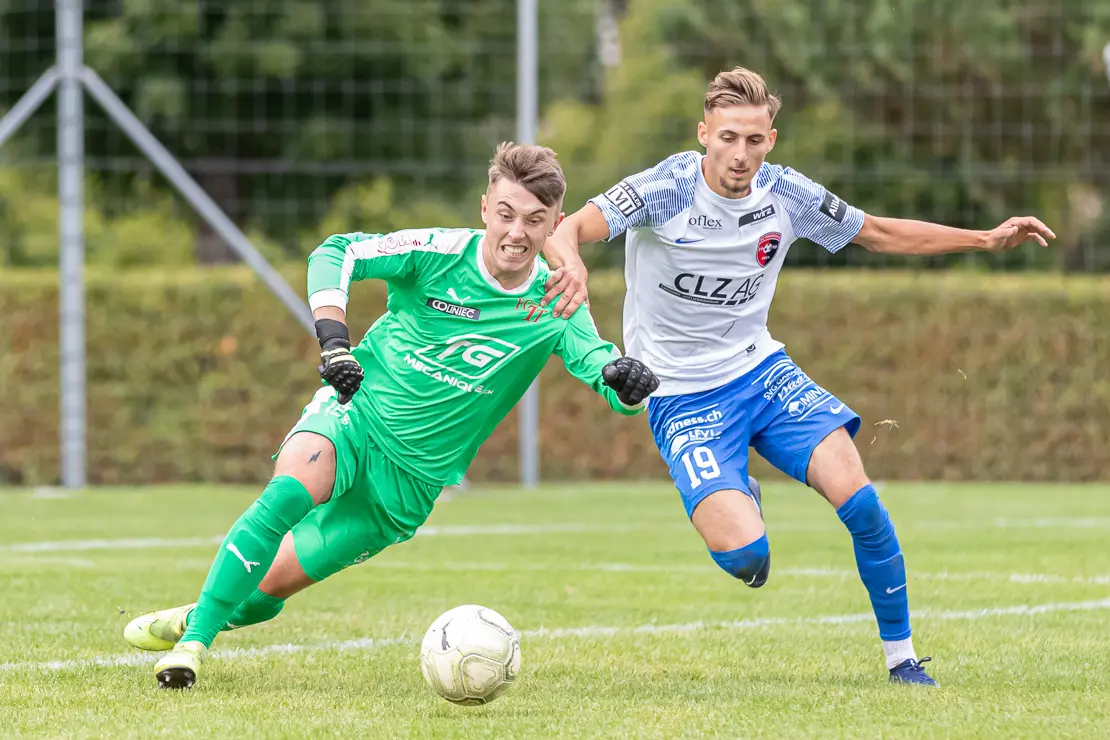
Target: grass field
(629, 629)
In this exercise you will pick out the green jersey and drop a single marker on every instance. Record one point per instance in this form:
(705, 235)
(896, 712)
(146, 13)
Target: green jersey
(455, 350)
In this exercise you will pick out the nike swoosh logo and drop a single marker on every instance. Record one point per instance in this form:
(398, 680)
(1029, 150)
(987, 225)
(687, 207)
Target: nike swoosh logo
(895, 590)
(688, 241)
(837, 409)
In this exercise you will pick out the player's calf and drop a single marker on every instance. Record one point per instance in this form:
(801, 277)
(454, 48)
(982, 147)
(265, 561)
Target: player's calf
(252, 543)
(834, 468)
(882, 570)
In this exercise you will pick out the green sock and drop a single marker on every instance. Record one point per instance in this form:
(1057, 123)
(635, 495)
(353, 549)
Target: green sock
(245, 555)
(259, 607)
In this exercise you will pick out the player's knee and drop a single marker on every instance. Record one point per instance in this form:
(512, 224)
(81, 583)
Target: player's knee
(870, 514)
(744, 563)
(835, 469)
(865, 516)
(310, 459)
(727, 520)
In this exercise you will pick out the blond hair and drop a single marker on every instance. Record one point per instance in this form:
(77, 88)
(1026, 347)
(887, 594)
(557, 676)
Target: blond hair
(535, 168)
(740, 86)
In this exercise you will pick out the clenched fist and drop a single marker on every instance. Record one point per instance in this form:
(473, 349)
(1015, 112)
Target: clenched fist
(631, 379)
(340, 369)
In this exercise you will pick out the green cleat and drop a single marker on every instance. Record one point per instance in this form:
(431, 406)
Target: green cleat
(158, 630)
(179, 669)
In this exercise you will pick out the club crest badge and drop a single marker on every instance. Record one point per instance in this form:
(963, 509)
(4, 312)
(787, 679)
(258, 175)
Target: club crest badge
(768, 247)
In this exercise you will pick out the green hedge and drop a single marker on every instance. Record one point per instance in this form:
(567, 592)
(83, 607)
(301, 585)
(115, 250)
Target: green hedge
(196, 376)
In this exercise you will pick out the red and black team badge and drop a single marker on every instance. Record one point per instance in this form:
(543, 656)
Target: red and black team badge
(768, 247)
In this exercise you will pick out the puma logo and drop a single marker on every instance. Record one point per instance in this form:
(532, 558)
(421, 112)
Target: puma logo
(235, 551)
(455, 296)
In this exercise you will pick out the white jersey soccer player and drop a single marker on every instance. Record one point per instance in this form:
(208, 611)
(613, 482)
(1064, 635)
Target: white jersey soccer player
(701, 269)
(706, 236)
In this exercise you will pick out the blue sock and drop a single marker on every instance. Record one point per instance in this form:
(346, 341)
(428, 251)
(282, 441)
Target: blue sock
(744, 562)
(879, 558)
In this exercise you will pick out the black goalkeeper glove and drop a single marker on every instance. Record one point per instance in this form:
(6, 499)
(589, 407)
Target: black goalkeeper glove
(631, 379)
(340, 369)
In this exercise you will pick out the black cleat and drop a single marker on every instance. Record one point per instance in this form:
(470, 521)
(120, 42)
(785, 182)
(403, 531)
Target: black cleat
(178, 670)
(176, 678)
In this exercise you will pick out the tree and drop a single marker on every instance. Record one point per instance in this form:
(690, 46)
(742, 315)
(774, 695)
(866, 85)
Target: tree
(937, 109)
(274, 105)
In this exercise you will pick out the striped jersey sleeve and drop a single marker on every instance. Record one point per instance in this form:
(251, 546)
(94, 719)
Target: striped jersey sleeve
(815, 213)
(345, 258)
(652, 197)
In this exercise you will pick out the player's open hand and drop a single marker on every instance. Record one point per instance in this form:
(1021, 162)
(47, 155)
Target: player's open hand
(1018, 230)
(568, 283)
(631, 379)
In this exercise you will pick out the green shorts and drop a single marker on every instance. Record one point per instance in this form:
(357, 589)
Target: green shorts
(374, 504)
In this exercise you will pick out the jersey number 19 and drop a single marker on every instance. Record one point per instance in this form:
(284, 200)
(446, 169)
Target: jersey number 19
(706, 469)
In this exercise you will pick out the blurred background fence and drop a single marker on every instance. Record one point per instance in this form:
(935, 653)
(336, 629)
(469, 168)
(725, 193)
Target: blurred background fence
(304, 118)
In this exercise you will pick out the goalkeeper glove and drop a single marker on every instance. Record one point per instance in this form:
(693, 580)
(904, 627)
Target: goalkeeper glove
(631, 379)
(340, 369)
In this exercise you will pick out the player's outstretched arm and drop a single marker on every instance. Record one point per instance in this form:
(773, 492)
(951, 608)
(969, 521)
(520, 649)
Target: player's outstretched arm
(624, 382)
(568, 281)
(903, 236)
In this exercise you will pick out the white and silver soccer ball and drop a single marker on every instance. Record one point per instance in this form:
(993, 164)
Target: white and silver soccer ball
(470, 655)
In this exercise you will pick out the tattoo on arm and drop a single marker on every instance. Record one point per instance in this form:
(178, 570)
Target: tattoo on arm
(315, 457)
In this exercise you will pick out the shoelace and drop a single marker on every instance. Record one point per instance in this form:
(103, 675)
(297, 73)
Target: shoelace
(916, 665)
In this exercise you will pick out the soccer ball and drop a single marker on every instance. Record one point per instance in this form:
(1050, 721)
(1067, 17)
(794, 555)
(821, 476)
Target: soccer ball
(470, 655)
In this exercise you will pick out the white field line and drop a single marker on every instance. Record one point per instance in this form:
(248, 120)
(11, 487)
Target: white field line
(588, 631)
(148, 543)
(26, 555)
(677, 568)
(539, 529)
(154, 543)
(496, 567)
(1096, 580)
(35, 560)
(464, 566)
(1084, 522)
(44, 492)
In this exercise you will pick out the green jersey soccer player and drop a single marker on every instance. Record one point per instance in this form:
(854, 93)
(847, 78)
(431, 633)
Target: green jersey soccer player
(404, 412)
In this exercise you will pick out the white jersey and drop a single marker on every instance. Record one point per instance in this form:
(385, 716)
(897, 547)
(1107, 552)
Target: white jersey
(701, 269)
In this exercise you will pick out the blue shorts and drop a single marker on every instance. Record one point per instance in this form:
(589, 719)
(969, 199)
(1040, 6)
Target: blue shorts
(775, 408)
